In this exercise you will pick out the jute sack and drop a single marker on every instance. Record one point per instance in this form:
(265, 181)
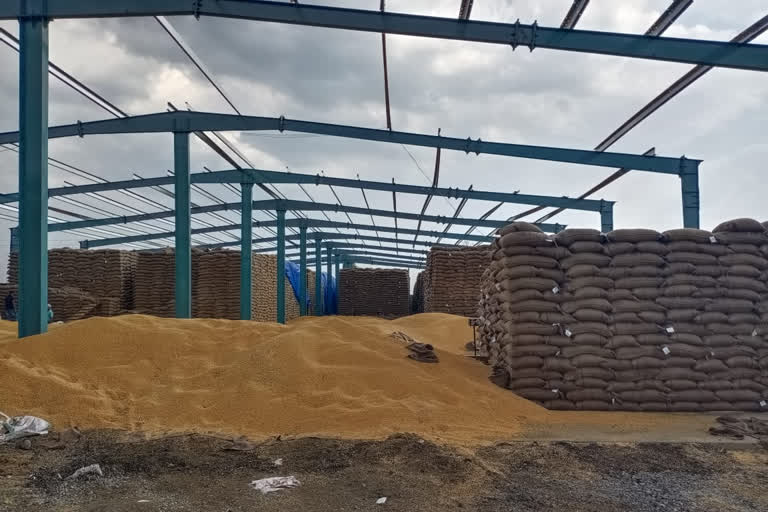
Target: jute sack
(637, 259)
(527, 238)
(569, 236)
(527, 283)
(528, 271)
(747, 283)
(633, 235)
(571, 352)
(743, 249)
(687, 235)
(650, 293)
(741, 238)
(638, 271)
(729, 306)
(537, 306)
(637, 306)
(694, 258)
(682, 315)
(690, 279)
(589, 292)
(616, 342)
(744, 259)
(539, 395)
(597, 304)
(741, 225)
(713, 249)
(590, 282)
(745, 271)
(693, 395)
(653, 247)
(576, 271)
(585, 258)
(531, 260)
(525, 250)
(639, 282)
(582, 247)
(519, 226)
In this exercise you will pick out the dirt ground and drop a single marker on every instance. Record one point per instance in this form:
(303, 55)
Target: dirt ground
(202, 473)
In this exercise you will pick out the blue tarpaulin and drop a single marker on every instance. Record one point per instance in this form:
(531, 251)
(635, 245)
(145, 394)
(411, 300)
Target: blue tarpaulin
(293, 273)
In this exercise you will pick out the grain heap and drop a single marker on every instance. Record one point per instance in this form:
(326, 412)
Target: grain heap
(87, 282)
(452, 279)
(631, 320)
(373, 291)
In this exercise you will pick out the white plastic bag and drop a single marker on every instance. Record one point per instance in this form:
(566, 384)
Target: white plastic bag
(22, 426)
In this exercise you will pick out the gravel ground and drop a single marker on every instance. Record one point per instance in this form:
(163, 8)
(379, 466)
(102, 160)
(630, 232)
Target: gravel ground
(194, 473)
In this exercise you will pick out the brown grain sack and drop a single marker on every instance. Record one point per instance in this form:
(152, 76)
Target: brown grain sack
(654, 247)
(681, 302)
(591, 315)
(710, 366)
(614, 249)
(525, 250)
(587, 372)
(536, 261)
(615, 342)
(619, 294)
(535, 372)
(529, 350)
(694, 258)
(594, 405)
(530, 328)
(638, 271)
(634, 329)
(628, 318)
(655, 317)
(538, 306)
(571, 352)
(713, 249)
(527, 238)
(589, 339)
(526, 283)
(683, 315)
(526, 362)
(680, 268)
(589, 282)
(517, 296)
(646, 293)
(687, 235)
(617, 364)
(633, 235)
(597, 304)
(654, 340)
(726, 352)
(590, 292)
(710, 317)
(741, 238)
(528, 271)
(716, 385)
(734, 329)
(744, 249)
(582, 271)
(692, 395)
(558, 364)
(738, 373)
(645, 395)
(527, 382)
(589, 328)
(587, 361)
(639, 282)
(680, 362)
(581, 247)
(523, 316)
(745, 271)
(559, 405)
(686, 350)
(635, 352)
(668, 374)
(519, 226)
(556, 318)
(719, 340)
(690, 279)
(729, 306)
(738, 395)
(637, 259)
(585, 258)
(638, 306)
(589, 394)
(680, 384)
(748, 283)
(745, 362)
(740, 225)
(643, 363)
(569, 236)
(539, 395)
(687, 338)
(750, 385)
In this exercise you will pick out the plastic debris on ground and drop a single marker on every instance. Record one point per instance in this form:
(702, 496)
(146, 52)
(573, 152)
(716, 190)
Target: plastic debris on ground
(22, 426)
(275, 483)
(278, 462)
(86, 470)
(381, 500)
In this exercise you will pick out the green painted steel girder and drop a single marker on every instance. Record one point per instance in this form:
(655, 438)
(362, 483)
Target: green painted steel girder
(280, 266)
(246, 248)
(272, 177)
(183, 236)
(515, 34)
(318, 275)
(205, 121)
(272, 204)
(303, 270)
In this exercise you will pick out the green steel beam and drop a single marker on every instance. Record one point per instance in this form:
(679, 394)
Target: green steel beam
(318, 276)
(205, 121)
(33, 177)
(303, 270)
(261, 177)
(183, 236)
(281, 266)
(689, 51)
(246, 248)
(328, 272)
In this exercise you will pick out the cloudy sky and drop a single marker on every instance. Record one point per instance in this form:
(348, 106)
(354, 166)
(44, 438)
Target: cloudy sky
(545, 97)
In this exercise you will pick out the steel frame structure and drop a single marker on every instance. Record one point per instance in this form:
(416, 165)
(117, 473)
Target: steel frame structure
(33, 134)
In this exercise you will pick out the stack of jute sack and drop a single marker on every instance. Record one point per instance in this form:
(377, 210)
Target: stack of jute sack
(373, 291)
(452, 279)
(265, 290)
(154, 286)
(216, 289)
(632, 319)
(417, 298)
(106, 277)
(67, 303)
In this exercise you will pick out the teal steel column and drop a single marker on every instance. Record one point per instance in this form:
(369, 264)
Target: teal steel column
(318, 277)
(281, 266)
(606, 217)
(303, 270)
(337, 264)
(246, 250)
(183, 250)
(329, 272)
(689, 182)
(33, 177)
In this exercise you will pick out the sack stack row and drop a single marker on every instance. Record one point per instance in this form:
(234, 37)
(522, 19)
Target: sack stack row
(630, 320)
(103, 279)
(374, 292)
(417, 299)
(452, 279)
(265, 290)
(154, 287)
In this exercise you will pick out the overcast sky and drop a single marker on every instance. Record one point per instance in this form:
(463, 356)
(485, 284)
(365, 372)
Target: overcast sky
(544, 97)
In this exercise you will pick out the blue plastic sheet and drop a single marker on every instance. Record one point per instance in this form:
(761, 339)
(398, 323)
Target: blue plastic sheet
(330, 306)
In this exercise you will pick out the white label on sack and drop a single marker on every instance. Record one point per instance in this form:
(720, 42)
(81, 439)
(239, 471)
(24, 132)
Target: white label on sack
(498, 287)
(670, 330)
(555, 390)
(568, 332)
(754, 332)
(763, 403)
(665, 350)
(555, 289)
(613, 401)
(557, 353)
(712, 240)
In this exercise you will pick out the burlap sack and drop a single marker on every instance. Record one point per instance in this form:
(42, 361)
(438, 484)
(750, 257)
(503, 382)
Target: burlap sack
(635, 352)
(709, 270)
(743, 318)
(682, 302)
(653, 340)
(644, 363)
(646, 395)
(616, 342)
(639, 282)
(637, 259)
(589, 282)
(526, 362)
(652, 247)
(615, 249)
(729, 306)
(536, 394)
(646, 293)
(744, 271)
(589, 292)
(680, 384)
(585, 258)
(581, 247)
(633, 235)
(634, 329)
(743, 249)
(694, 258)
(719, 340)
(532, 260)
(515, 328)
(538, 306)
(518, 226)
(589, 394)
(530, 350)
(590, 339)
(668, 374)
(741, 238)
(734, 329)
(569, 236)
(527, 283)
(527, 382)
(615, 294)
(747, 283)
(711, 317)
(711, 366)
(527, 238)
(526, 250)
(597, 304)
(693, 395)
(741, 225)
(742, 362)
(594, 405)
(682, 315)
(528, 271)
(689, 279)
(558, 364)
(687, 235)
(638, 271)
(577, 271)
(638, 306)
(587, 371)
(713, 249)
(680, 290)
(738, 395)
(680, 362)
(591, 315)
(618, 364)
(571, 352)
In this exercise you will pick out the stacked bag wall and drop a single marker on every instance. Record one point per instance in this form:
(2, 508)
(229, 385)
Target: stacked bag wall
(417, 299)
(374, 292)
(452, 279)
(631, 320)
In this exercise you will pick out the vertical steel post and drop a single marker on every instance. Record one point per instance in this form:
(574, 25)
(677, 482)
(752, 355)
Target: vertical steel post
(33, 174)
(183, 239)
(689, 181)
(281, 266)
(14, 239)
(303, 270)
(329, 271)
(318, 277)
(337, 264)
(246, 250)
(606, 216)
